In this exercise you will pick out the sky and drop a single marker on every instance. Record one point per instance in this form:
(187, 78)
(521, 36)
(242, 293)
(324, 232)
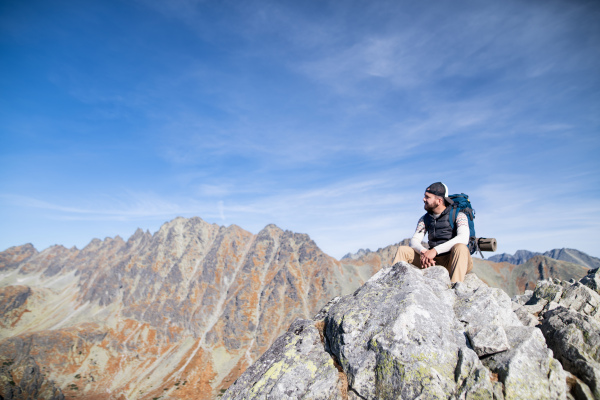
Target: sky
(328, 118)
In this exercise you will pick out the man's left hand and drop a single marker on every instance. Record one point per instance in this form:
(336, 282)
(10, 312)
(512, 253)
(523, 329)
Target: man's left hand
(427, 258)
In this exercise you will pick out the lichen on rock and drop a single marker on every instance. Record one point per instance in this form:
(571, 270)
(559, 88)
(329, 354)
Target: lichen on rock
(410, 333)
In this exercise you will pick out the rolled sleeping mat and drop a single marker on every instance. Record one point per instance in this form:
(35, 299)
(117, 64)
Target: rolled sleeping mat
(487, 244)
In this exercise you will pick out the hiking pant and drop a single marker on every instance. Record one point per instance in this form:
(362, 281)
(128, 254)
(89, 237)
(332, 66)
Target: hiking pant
(458, 261)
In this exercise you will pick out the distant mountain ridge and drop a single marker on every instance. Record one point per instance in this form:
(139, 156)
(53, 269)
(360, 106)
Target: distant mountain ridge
(569, 255)
(512, 278)
(572, 256)
(516, 279)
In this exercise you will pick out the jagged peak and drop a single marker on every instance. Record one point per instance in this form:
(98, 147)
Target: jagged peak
(182, 223)
(272, 227)
(274, 230)
(139, 232)
(55, 247)
(357, 255)
(93, 243)
(28, 247)
(270, 230)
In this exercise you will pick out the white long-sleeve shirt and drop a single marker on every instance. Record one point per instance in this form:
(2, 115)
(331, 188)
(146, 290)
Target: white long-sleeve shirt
(462, 234)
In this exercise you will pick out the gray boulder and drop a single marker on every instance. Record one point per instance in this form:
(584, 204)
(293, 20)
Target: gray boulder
(592, 280)
(528, 369)
(296, 366)
(411, 334)
(568, 315)
(575, 340)
(489, 339)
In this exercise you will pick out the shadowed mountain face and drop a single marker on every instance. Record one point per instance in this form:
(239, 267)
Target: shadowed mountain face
(180, 313)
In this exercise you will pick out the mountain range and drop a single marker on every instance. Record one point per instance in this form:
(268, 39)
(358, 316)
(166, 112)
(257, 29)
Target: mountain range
(511, 277)
(180, 313)
(569, 255)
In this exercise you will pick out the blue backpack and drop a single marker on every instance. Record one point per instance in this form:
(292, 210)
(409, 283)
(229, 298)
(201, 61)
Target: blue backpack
(462, 204)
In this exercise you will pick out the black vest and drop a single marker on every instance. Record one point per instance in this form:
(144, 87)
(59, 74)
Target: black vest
(439, 230)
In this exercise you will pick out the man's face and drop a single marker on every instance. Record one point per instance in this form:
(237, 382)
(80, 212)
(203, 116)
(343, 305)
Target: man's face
(431, 202)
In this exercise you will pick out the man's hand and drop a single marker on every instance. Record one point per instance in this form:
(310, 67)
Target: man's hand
(427, 258)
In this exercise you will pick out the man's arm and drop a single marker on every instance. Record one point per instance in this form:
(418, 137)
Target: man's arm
(462, 235)
(415, 241)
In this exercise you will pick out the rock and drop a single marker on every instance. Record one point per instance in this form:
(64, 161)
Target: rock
(535, 308)
(546, 290)
(397, 332)
(581, 298)
(525, 317)
(578, 389)
(592, 280)
(295, 366)
(13, 297)
(528, 369)
(479, 305)
(22, 379)
(575, 340)
(570, 323)
(403, 334)
(488, 339)
(523, 298)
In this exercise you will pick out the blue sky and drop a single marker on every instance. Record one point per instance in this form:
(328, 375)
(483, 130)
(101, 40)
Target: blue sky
(326, 118)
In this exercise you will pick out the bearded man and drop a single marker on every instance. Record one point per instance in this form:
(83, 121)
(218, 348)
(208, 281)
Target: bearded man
(447, 244)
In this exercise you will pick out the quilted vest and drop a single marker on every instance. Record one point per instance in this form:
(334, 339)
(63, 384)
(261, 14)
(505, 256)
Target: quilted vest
(438, 230)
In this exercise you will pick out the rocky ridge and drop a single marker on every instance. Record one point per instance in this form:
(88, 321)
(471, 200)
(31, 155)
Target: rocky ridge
(177, 314)
(411, 334)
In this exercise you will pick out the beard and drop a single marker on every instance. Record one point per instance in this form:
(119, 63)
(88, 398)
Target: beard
(428, 208)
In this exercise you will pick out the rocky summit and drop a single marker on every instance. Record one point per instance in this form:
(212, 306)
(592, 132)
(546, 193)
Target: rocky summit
(411, 334)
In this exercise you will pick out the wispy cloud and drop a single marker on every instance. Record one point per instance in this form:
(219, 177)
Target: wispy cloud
(324, 117)
(127, 206)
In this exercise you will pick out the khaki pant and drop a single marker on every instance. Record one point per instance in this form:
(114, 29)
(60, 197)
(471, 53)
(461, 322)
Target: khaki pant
(458, 261)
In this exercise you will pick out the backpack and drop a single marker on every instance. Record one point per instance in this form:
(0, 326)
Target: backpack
(462, 204)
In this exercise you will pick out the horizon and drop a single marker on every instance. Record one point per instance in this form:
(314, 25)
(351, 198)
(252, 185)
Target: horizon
(320, 117)
(126, 238)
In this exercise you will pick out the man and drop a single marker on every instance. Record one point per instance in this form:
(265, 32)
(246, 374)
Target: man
(447, 246)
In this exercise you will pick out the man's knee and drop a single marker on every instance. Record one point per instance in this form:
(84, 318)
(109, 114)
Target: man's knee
(405, 253)
(460, 248)
(461, 257)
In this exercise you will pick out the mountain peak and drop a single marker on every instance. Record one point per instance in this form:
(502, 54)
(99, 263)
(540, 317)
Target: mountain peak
(355, 256)
(13, 256)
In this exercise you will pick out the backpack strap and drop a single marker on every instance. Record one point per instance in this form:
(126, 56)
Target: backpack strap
(452, 215)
